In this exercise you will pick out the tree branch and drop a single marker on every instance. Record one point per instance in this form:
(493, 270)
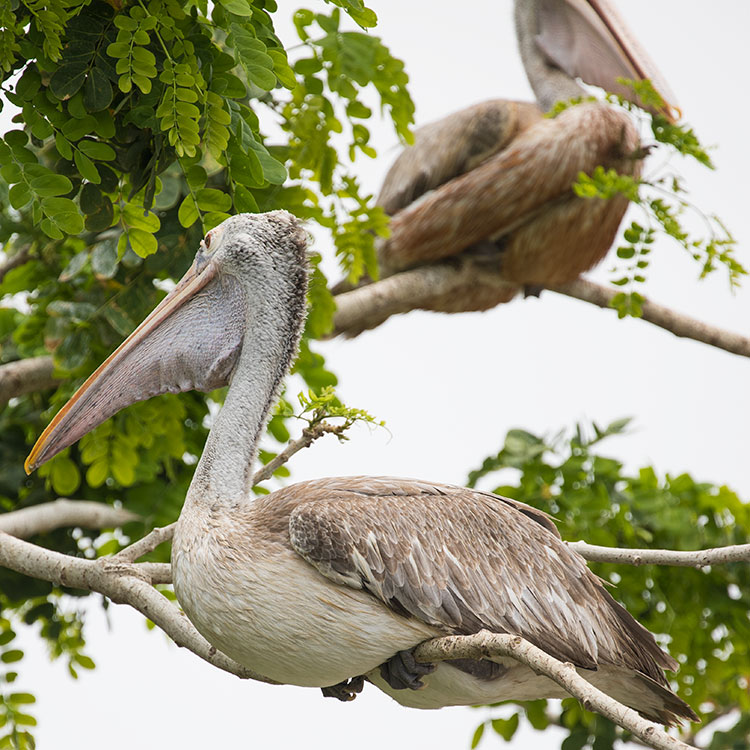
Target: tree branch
(25, 376)
(61, 513)
(680, 325)
(686, 559)
(308, 437)
(21, 257)
(485, 644)
(123, 583)
(369, 306)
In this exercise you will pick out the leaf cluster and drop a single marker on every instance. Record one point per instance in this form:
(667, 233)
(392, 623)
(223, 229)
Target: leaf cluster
(138, 129)
(701, 616)
(662, 198)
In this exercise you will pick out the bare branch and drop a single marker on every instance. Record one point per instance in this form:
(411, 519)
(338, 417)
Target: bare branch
(62, 513)
(309, 436)
(370, 305)
(686, 559)
(123, 583)
(21, 257)
(670, 320)
(485, 644)
(146, 544)
(25, 376)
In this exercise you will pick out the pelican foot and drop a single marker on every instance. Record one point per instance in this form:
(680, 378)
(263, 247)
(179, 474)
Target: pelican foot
(532, 290)
(403, 671)
(346, 690)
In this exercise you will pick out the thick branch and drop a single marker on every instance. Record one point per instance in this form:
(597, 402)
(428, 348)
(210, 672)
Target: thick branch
(485, 644)
(686, 559)
(670, 320)
(370, 305)
(25, 376)
(123, 583)
(62, 513)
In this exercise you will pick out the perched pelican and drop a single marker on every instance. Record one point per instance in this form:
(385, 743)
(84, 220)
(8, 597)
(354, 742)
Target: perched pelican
(330, 582)
(495, 180)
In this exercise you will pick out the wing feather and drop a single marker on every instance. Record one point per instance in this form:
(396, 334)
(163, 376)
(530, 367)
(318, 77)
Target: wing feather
(462, 560)
(452, 146)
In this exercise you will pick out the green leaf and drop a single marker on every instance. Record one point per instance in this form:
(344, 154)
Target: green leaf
(143, 243)
(244, 202)
(477, 736)
(74, 129)
(210, 199)
(50, 185)
(24, 698)
(104, 259)
(12, 656)
(68, 79)
(506, 728)
(238, 7)
(97, 91)
(188, 212)
(64, 214)
(97, 150)
(65, 476)
(19, 195)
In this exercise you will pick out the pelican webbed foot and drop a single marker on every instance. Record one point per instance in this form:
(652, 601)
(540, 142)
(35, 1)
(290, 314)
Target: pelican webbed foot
(345, 691)
(403, 671)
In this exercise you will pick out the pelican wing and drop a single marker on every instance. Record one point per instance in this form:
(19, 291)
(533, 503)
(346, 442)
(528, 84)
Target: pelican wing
(512, 188)
(453, 146)
(462, 560)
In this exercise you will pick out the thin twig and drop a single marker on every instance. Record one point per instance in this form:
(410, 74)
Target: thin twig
(157, 536)
(485, 644)
(688, 559)
(62, 513)
(146, 544)
(309, 436)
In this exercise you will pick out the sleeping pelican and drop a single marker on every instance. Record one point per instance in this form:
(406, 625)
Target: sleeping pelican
(493, 182)
(330, 582)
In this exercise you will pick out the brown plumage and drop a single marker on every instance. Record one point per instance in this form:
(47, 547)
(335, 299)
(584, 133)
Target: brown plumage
(493, 183)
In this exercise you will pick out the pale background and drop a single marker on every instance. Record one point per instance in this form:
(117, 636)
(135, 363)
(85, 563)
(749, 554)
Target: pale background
(449, 388)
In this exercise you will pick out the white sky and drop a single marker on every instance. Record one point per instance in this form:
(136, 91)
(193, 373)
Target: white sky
(450, 387)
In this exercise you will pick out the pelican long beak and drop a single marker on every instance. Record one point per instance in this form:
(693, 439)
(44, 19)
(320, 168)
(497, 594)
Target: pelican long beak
(590, 40)
(142, 366)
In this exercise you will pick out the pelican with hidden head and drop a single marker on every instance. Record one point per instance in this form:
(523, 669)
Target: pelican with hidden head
(493, 182)
(330, 582)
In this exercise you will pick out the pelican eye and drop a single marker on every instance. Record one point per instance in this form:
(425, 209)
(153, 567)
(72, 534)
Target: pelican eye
(207, 241)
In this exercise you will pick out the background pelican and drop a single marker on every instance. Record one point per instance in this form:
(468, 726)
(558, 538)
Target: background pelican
(328, 582)
(495, 180)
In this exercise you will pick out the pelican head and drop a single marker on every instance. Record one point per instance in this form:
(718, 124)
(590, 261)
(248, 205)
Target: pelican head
(192, 339)
(561, 40)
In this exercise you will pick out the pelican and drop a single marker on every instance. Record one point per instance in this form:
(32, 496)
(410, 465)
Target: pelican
(494, 182)
(330, 582)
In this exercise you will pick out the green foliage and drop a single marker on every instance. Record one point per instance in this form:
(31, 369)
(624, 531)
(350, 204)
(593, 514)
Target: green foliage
(661, 197)
(138, 130)
(317, 407)
(702, 616)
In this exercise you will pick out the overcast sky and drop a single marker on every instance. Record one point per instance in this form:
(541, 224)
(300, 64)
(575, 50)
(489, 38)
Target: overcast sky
(449, 388)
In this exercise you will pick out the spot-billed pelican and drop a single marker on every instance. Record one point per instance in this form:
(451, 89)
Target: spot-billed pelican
(333, 581)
